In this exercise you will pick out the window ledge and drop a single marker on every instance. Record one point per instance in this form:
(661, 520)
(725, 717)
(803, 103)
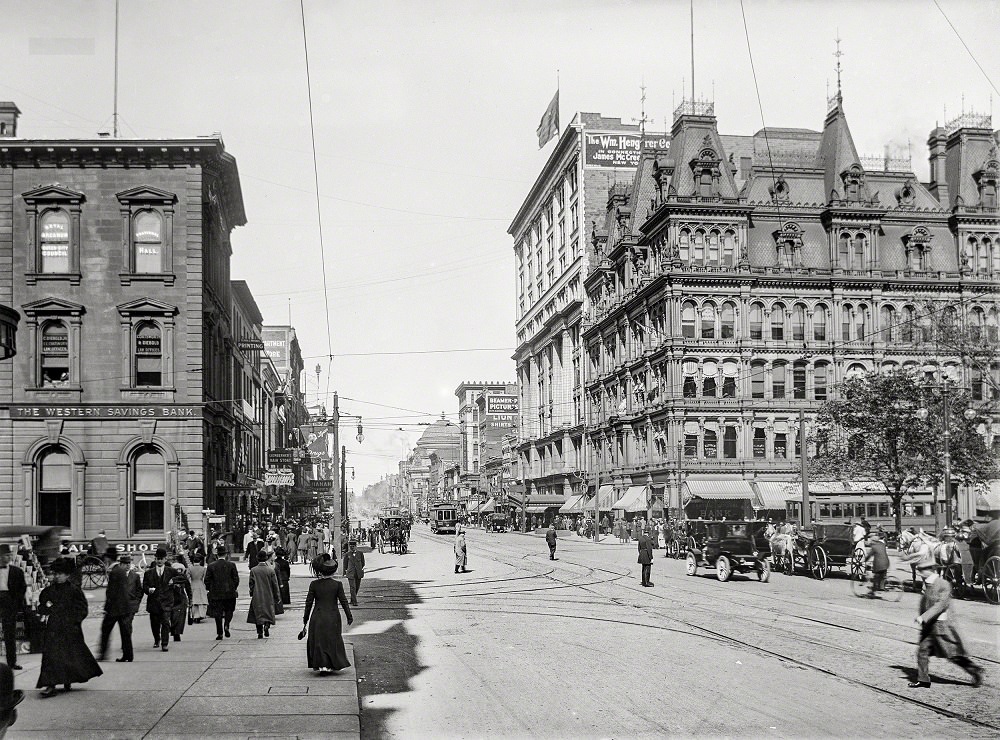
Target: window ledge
(148, 394)
(31, 278)
(127, 278)
(54, 393)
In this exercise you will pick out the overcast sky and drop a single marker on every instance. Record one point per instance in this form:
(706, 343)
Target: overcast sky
(425, 126)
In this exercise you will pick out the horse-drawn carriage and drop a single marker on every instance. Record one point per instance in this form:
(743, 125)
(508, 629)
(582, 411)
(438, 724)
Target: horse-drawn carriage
(729, 546)
(395, 532)
(823, 547)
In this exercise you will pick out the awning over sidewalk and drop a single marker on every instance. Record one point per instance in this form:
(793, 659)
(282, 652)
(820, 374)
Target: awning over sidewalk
(472, 508)
(573, 505)
(539, 503)
(772, 494)
(489, 507)
(634, 500)
(605, 498)
(716, 489)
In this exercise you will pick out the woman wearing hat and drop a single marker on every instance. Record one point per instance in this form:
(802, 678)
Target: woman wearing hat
(199, 593)
(264, 593)
(66, 659)
(283, 570)
(180, 585)
(325, 647)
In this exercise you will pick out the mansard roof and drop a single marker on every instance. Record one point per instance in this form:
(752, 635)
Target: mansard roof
(837, 152)
(696, 138)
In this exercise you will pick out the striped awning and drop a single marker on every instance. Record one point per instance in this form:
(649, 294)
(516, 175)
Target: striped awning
(720, 489)
(573, 505)
(772, 494)
(488, 507)
(605, 498)
(472, 508)
(633, 500)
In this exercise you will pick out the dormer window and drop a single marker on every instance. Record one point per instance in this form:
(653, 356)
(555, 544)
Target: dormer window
(918, 249)
(788, 245)
(987, 179)
(706, 172)
(705, 184)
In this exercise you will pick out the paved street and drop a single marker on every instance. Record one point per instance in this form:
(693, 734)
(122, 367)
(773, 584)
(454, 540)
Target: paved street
(525, 646)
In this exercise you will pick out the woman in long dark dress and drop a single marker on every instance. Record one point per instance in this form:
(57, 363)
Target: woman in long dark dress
(325, 646)
(181, 586)
(66, 659)
(283, 570)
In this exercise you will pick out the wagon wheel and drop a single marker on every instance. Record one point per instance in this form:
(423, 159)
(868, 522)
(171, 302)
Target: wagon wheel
(789, 563)
(723, 568)
(991, 579)
(764, 571)
(819, 566)
(692, 564)
(858, 564)
(93, 572)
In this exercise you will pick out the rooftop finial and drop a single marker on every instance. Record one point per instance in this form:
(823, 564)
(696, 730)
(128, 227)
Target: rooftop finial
(642, 100)
(838, 54)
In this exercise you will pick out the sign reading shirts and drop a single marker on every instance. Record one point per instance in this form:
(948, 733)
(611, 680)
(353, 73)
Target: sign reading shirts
(618, 149)
(501, 411)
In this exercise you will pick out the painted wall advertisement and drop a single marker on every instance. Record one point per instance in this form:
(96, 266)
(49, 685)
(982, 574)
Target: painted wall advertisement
(618, 149)
(501, 411)
(277, 343)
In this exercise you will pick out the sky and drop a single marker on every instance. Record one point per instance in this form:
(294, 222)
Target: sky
(425, 116)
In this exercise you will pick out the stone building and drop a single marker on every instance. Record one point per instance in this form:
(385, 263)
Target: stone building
(739, 279)
(553, 256)
(115, 414)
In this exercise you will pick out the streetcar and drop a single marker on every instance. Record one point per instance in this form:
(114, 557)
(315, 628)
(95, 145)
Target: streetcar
(444, 517)
(918, 510)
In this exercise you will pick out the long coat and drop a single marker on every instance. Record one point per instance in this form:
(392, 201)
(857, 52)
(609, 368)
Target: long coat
(65, 655)
(325, 645)
(645, 550)
(160, 601)
(461, 552)
(199, 592)
(940, 634)
(124, 592)
(263, 593)
(283, 571)
(354, 565)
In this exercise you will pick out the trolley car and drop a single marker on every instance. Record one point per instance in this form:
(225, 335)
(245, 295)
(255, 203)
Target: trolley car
(444, 517)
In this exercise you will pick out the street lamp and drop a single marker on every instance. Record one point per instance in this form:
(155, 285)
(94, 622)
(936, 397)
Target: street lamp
(944, 384)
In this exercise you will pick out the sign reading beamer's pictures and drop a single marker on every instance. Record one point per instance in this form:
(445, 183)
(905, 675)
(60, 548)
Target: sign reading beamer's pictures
(618, 149)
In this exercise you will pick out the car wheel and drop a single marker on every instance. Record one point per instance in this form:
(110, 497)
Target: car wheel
(789, 564)
(692, 564)
(764, 572)
(723, 568)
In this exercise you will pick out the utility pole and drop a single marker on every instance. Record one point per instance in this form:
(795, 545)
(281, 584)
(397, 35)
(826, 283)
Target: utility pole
(680, 474)
(337, 475)
(343, 483)
(805, 517)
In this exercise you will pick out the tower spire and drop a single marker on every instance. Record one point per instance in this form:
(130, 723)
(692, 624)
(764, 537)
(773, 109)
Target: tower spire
(838, 54)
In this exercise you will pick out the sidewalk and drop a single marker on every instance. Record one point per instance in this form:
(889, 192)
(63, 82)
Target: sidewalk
(236, 688)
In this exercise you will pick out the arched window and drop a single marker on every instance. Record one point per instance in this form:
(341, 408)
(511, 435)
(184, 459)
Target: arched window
(799, 380)
(860, 252)
(713, 248)
(977, 384)
(710, 380)
(759, 443)
(845, 322)
(729, 443)
(708, 321)
(729, 249)
(977, 318)
(778, 322)
(758, 374)
(756, 321)
(148, 356)
(147, 241)
(684, 245)
(820, 381)
(844, 251)
(688, 320)
(54, 239)
(861, 323)
(730, 369)
(995, 250)
(778, 380)
(819, 323)
(798, 322)
(887, 319)
(727, 328)
(705, 184)
(983, 263)
(906, 325)
(699, 247)
(54, 371)
(711, 443)
(148, 481)
(55, 499)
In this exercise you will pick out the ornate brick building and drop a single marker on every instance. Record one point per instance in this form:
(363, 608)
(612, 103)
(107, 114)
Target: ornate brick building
(117, 412)
(738, 279)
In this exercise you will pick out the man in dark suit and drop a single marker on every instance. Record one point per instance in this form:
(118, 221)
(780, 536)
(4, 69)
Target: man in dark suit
(159, 599)
(645, 545)
(938, 636)
(354, 569)
(12, 588)
(221, 581)
(121, 602)
(550, 540)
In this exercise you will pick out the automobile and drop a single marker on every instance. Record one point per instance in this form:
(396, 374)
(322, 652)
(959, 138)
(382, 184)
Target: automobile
(732, 547)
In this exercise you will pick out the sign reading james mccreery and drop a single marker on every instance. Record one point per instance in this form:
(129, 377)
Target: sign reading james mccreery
(104, 411)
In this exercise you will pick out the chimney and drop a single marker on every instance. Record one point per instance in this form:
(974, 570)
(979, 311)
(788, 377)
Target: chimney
(936, 144)
(8, 119)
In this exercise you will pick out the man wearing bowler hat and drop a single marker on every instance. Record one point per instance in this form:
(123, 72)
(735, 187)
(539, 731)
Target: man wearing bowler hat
(121, 602)
(12, 588)
(159, 599)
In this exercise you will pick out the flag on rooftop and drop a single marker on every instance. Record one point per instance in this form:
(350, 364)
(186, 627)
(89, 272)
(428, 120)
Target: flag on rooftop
(548, 127)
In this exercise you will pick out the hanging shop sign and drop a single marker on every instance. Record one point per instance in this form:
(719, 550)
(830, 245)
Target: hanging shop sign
(321, 485)
(282, 457)
(279, 478)
(105, 411)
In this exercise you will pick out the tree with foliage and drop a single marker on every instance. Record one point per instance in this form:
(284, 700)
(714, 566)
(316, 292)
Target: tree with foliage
(871, 432)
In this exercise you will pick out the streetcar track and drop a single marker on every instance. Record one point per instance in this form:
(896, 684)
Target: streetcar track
(943, 711)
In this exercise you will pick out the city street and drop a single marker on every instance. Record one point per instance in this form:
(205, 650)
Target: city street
(522, 646)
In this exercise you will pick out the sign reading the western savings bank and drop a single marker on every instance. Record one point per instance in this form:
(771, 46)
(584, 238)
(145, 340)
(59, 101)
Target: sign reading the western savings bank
(619, 149)
(104, 411)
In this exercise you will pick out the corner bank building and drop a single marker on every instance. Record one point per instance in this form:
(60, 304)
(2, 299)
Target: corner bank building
(116, 254)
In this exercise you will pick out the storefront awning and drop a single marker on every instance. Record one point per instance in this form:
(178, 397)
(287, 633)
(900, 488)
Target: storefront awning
(472, 508)
(716, 489)
(772, 494)
(605, 498)
(488, 507)
(574, 505)
(633, 500)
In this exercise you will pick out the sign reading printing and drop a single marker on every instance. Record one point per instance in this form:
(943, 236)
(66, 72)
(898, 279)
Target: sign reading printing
(618, 149)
